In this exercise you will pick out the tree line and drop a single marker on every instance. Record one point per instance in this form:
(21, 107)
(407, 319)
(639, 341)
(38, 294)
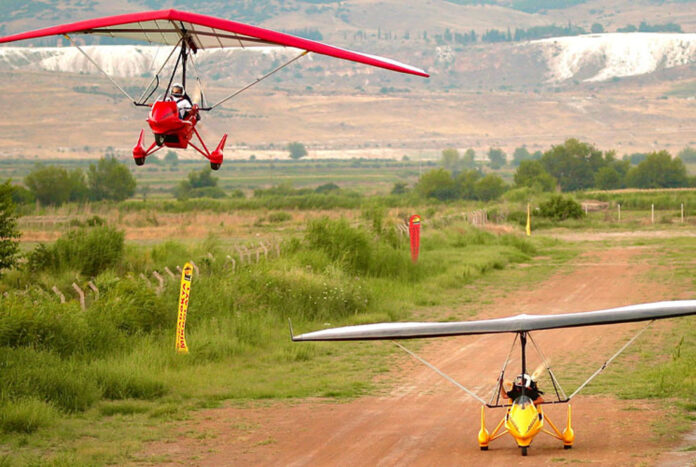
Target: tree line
(571, 166)
(108, 179)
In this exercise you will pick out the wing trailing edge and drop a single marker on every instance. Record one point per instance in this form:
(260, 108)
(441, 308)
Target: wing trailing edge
(204, 32)
(519, 323)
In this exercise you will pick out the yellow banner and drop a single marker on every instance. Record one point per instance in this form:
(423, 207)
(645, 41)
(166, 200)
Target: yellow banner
(529, 221)
(184, 295)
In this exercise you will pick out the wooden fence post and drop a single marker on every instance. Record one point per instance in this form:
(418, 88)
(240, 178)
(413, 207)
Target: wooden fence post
(59, 293)
(81, 294)
(265, 250)
(94, 288)
(241, 253)
(160, 279)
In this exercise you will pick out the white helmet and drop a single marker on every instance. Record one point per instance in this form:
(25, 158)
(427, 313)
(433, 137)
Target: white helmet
(523, 380)
(178, 90)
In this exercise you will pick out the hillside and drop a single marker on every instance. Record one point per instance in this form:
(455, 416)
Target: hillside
(627, 91)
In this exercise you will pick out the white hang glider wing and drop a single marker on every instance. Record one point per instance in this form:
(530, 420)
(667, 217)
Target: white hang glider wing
(519, 323)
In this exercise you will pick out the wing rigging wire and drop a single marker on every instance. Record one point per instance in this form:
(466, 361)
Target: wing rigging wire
(441, 373)
(203, 102)
(606, 364)
(142, 99)
(258, 80)
(100, 69)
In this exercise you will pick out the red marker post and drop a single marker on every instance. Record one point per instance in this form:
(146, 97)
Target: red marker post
(414, 234)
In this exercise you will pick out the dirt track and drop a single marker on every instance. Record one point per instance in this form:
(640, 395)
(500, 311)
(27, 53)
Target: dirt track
(424, 420)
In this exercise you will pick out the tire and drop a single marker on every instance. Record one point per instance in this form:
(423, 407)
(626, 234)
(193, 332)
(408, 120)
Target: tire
(139, 161)
(484, 448)
(215, 165)
(567, 446)
(524, 450)
(159, 139)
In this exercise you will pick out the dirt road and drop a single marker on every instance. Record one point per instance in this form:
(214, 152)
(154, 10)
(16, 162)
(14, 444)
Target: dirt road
(424, 420)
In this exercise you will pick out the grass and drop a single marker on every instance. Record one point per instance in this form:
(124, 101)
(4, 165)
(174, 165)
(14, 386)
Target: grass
(113, 377)
(114, 363)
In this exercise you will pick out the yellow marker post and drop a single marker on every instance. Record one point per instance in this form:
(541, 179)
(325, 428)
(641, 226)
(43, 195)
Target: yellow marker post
(184, 294)
(529, 221)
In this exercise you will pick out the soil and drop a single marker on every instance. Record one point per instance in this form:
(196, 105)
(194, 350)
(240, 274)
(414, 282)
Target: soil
(424, 420)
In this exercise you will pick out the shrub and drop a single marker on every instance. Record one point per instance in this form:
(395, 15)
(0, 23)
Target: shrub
(88, 250)
(25, 415)
(281, 216)
(560, 208)
(356, 251)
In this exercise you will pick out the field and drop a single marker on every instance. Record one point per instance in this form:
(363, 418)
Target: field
(104, 385)
(633, 115)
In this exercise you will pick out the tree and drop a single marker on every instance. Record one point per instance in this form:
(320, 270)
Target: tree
(489, 187)
(109, 179)
(297, 150)
(9, 233)
(608, 178)
(399, 188)
(469, 159)
(436, 183)
(635, 158)
(497, 158)
(532, 174)
(520, 154)
(658, 170)
(465, 183)
(450, 159)
(202, 178)
(573, 164)
(200, 184)
(597, 28)
(688, 154)
(171, 158)
(53, 185)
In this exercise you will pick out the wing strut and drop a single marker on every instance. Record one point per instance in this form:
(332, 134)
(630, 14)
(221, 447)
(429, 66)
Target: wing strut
(556, 384)
(99, 68)
(156, 77)
(606, 364)
(258, 80)
(441, 373)
(496, 391)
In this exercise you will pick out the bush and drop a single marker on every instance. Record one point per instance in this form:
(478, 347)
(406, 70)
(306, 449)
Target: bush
(133, 307)
(356, 251)
(25, 415)
(281, 216)
(560, 208)
(89, 250)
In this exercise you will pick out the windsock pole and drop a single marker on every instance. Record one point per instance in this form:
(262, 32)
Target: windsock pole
(184, 294)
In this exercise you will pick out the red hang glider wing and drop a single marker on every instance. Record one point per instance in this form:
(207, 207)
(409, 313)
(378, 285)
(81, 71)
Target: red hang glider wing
(204, 32)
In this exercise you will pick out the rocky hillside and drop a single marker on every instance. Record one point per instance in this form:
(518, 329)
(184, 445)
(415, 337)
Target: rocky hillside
(589, 58)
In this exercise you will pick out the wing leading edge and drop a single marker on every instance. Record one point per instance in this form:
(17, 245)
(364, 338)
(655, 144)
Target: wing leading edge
(519, 323)
(204, 32)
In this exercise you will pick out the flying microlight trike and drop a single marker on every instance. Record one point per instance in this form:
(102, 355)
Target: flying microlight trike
(524, 416)
(173, 116)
